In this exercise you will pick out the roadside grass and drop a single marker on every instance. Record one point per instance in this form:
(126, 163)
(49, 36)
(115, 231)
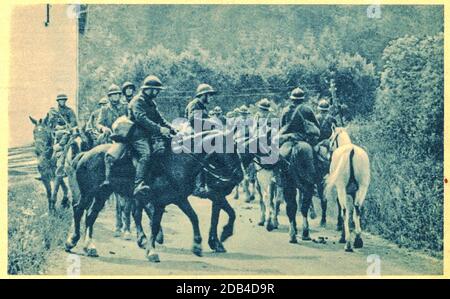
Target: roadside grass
(405, 200)
(33, 235)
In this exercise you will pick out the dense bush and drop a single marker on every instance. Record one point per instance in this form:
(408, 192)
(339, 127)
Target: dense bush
(405, 143)
(252, 73)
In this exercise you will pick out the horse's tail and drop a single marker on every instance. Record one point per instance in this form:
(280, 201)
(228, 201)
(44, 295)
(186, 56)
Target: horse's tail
(332, 177)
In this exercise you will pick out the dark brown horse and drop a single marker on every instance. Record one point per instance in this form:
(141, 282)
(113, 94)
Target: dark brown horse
(173, 180)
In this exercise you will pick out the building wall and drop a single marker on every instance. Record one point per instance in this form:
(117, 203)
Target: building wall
(43, 63)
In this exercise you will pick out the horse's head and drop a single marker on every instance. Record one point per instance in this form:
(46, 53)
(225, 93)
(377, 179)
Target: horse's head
(339, 137)
(42, 135)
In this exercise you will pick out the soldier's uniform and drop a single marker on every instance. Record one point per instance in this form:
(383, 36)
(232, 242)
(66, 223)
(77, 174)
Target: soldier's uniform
(109, 114)
(61, 121)
(146, 137)
(196, 111)
(91, 124)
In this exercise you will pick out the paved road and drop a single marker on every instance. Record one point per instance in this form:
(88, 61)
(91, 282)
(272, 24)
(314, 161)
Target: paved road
(251, 251)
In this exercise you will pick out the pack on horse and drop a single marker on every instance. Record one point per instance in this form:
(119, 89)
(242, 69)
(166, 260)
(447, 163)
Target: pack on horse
(350, 176)
(173, 179)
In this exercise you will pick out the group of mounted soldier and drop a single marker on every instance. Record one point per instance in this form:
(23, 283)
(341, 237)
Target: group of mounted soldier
(132, 137)
(300, 125)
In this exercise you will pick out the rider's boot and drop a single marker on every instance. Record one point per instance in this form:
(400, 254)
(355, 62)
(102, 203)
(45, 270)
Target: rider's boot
(109, 161)
(140, 187)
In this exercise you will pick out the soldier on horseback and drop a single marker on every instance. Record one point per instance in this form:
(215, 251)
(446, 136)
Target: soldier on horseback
(112, 111)
(197, 114)
(149, 129)
(299, 128)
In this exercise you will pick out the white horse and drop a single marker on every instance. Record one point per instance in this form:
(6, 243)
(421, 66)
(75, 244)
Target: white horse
(269, 197)
(350, 175)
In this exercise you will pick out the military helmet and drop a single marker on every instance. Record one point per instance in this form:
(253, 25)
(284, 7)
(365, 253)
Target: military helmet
(218, 110)
(204, 88)
(126, 85)
(211, 113)
(61, 97)
(244, 109)
(152, 82)
(264, 104)
(297, 94)
(323, 105)
(103, 101)
(236, 111)
(114, 89)
(229, 114)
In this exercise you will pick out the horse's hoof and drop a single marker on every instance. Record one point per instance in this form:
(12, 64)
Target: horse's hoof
(219, 248)
(160, 238)
(197, 249)
(68, 247)
(305, 236)
(342, 240)
(358, 242)
(269, 226)
(226, 233)
(127, 236)
(261, 223)
(91, 252)
(348, 248)
(117, 233)
(312, 214)
(142, 242)
(293, 240)
(153, 257)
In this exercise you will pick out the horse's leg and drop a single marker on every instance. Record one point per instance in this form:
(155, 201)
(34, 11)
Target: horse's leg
(48, 190)
(91, 216)
(119, 224)
(65, 200)
(213, 240)
(263, 211)
(137, 208)
(323, 203)
(290, 196)
(78, 210)
(359, 199)
(307, 192)
(126, 217)
(275, 206)
(152, 255)
(342, 196)
(149, 210)
(187, 209)
(57, 183)
(245, 186)
(236, 192)
(340, 222)
(229, 227)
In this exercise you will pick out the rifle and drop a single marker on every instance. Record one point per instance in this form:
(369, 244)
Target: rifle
(335, 102)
